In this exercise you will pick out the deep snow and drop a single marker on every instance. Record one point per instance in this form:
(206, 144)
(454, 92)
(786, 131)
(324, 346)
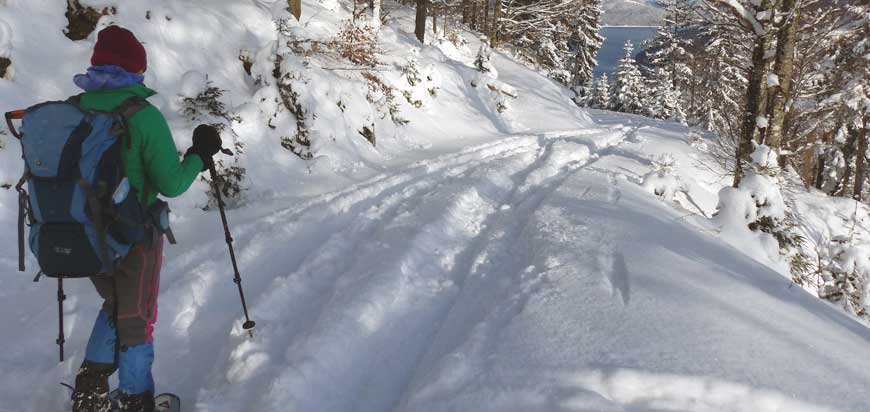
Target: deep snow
(475, 261)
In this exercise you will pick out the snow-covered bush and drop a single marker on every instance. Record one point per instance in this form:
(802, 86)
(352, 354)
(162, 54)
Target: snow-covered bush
(300, 142)
(662, 181)
(202, 102)
(205, 104)
(583, 92)
(357, 43)
(846, 274)
(482, 62)
(383, 96)
(421, 84)
(754, 213)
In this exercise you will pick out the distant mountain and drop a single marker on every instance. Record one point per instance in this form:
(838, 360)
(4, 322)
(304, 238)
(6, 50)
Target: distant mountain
(632, 13)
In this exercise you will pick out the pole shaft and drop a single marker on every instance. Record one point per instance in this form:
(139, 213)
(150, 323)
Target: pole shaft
(237, 279)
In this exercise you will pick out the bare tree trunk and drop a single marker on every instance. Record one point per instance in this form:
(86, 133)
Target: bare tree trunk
(755, 102)
(444, 23)
(474, 14)
(295, 7)
(496, 14)
(465, 11)
(783, 67)
(420, 23)
(859, 162)
(485, 16)
(434, 20)
(820, 172)
(848, 152)
(376, 14)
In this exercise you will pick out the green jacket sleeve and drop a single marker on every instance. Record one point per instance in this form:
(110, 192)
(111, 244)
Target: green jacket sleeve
(162, 168)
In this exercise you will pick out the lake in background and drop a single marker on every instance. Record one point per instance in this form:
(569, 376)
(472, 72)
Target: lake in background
(614, 39)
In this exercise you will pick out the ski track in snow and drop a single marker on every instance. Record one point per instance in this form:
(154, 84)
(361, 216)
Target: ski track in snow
(323, 325)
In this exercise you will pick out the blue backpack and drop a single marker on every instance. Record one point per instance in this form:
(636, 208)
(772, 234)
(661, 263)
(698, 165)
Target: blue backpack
(83, 214)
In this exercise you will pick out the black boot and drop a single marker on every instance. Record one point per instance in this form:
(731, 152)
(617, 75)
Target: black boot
(92, 388)
(140, 402)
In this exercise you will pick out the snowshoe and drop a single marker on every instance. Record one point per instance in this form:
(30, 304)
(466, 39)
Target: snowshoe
(165, 402)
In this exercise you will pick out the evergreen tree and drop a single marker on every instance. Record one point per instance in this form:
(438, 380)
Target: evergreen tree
(585, 42)
(664, 99)
(629, 94)
(716, 95)
(670, 48)
(599, 98)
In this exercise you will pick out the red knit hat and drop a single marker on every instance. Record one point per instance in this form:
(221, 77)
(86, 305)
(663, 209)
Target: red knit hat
(119, 47)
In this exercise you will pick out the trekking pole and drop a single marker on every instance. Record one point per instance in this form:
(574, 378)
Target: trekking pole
(249, 324)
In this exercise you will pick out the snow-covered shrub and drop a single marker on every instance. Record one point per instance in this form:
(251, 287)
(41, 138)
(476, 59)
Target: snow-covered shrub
(583, 92)
(754, 213)
(229, 177)
(383, 96)
(482, 62)
(455, 38)
(202, 102)
(206, 104)
(82, 20)
(422, 83)
(662, 181)
(300, 142)
(846, 274)
(357, 43)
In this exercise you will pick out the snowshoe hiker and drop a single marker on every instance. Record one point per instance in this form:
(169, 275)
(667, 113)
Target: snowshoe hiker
(94, 210)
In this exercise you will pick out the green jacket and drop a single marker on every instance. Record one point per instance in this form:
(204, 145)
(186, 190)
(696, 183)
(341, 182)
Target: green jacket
(151, 161)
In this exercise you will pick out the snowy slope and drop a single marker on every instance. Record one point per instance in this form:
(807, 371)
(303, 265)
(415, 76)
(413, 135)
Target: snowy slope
(473, 262)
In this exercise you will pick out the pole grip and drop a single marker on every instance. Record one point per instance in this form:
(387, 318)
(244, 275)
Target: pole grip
(14, 115)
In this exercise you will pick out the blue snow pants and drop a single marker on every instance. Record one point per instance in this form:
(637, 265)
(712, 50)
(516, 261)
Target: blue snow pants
(138, 282)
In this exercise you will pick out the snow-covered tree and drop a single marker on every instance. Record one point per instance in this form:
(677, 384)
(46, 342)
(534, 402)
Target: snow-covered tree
(716, 94)
(543, 32)
(482, 62)
(599, 98)
(629, 91)
(664, 99)
(755, 17)
(585, 42)
(670, 49)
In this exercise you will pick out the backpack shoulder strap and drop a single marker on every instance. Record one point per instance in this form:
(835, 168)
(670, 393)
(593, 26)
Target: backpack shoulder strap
(131, 106)
(127, 109)
(76, 100)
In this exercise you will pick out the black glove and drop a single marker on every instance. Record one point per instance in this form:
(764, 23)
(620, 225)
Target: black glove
(206, 143)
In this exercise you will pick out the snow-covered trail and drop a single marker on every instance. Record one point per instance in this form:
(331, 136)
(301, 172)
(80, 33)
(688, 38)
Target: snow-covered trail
(503, 277)
(526, 273)
(390, 260)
